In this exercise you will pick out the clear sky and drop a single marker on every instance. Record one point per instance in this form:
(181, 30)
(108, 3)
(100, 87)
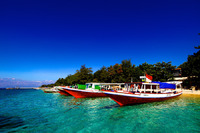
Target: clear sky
(48, 39)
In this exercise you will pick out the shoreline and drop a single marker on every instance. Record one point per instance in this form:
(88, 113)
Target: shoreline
(190, 92)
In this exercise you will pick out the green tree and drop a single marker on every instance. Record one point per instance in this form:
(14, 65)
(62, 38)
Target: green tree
(127, 69)
(117, 73)
(185, 69)
(136, 73)
(71, 79)
(163, 71)
(146, 68)
(191, 70)
(84, 75)
(101, 75)
(59, 82)
(111, 72)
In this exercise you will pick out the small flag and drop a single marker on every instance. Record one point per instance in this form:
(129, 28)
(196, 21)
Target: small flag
(149, 77)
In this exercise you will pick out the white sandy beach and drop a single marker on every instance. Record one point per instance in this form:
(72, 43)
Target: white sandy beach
(195, 92)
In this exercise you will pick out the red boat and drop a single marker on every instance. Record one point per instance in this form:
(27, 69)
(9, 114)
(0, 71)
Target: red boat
(63, 92)
(78, 93)
(137, 93)
(91, 90)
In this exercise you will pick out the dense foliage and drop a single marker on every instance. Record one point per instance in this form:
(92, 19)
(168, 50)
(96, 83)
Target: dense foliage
(127, 72)
(191, 69)
(118, 73)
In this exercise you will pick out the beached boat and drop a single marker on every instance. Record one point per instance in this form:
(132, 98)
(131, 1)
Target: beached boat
(137, 93)
(91, 89)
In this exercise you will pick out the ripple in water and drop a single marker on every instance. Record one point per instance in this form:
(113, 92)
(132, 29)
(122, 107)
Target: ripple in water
(34, 111)
(10, 122)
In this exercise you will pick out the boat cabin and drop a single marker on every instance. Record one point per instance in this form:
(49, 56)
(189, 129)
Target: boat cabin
(153, 87)
(105, 86)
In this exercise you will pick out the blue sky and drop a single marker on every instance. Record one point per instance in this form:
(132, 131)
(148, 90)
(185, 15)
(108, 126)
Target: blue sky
(45, 40)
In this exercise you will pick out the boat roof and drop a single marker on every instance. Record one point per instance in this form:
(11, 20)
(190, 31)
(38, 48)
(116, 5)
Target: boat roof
(166, 85)
(162, 85)
(146, 83)
(106, 83)
(150, 83)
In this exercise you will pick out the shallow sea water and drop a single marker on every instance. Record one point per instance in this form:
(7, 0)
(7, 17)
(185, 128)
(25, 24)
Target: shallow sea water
(35, 111)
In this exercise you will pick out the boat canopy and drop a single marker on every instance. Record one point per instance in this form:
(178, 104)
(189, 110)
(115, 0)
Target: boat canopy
(165, 85)
(99, 85)
(106, 83)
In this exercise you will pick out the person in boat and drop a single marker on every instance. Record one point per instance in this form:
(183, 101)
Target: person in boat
(132, 88)
(136, 87)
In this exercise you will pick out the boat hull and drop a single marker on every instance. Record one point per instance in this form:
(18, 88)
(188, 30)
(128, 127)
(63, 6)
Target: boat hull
(131, 99)
(63, 92)
(50, 91)
(77, 93)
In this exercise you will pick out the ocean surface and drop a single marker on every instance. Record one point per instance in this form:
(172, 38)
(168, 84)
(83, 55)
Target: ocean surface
(31, 110)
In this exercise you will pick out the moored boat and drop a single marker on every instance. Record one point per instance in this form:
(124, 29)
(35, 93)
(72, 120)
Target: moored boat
(144, 92)
(63, 92)
(90, 90)
(137, 97)
(50, 90)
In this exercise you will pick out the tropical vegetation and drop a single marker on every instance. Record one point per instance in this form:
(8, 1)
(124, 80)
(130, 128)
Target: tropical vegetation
(120, 73)
(127, 72)
(191, 69)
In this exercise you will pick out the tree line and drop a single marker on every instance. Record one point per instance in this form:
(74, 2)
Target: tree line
(118, 73)
(127, 72)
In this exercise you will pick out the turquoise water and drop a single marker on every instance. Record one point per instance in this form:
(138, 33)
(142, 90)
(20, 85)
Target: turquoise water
(35, 111)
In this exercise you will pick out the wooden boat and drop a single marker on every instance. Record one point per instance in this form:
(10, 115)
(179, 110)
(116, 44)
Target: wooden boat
(78, 93)
(137, 93)
(63, 92)
(50, 90)
(90, 90)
